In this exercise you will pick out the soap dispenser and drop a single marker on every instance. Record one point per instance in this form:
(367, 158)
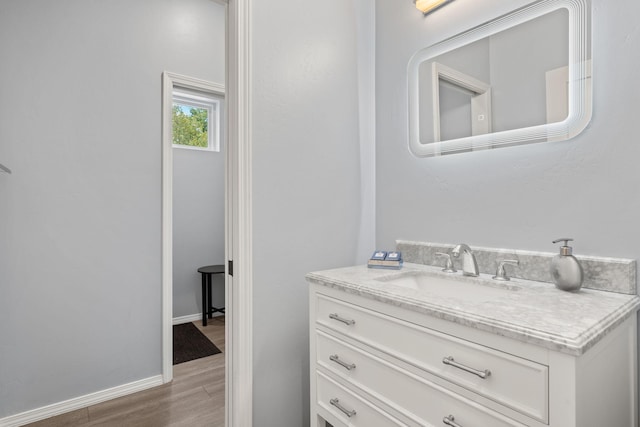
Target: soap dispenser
(565, 268)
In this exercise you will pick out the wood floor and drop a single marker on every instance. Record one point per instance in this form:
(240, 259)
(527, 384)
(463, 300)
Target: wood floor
(195, 398)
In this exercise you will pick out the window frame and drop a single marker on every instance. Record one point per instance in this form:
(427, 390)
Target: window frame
(203, 100)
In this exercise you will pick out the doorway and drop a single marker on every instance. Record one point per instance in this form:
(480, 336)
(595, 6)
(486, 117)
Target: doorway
(198, 187)
(461, 104)
(238, 220)
(194, 161)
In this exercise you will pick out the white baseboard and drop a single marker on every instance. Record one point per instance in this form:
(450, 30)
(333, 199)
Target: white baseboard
(79, 402)
(191, 318)
(186, 319)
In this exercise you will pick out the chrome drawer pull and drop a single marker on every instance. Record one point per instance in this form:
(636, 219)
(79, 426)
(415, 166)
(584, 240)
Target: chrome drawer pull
(335, 316)
(347, 366)
(450, 421)
(335, 402)
(482, 374)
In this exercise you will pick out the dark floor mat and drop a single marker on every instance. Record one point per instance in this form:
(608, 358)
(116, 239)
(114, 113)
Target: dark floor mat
(190, 344)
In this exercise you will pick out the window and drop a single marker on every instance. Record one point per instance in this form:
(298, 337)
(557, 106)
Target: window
(195, 120)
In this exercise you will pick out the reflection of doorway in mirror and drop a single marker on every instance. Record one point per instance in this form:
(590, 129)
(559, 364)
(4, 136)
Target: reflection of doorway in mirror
(557, 94)
(455, 111)
(461, 104)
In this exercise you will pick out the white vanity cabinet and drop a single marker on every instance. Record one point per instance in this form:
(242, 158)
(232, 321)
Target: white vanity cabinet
(376, 363)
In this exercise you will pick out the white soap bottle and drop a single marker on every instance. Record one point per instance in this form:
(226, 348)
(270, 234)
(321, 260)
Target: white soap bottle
(566, 270)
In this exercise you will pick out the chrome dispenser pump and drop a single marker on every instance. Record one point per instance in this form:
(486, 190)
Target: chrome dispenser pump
(566, 270)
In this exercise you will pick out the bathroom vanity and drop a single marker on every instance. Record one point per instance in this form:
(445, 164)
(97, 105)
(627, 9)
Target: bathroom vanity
(419, 347)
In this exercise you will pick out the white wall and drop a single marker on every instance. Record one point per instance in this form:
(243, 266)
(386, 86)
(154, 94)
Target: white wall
(80, 223)
(307, 182)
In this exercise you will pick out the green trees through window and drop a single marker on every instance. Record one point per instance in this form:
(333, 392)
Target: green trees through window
(190, 126)
(195, 119)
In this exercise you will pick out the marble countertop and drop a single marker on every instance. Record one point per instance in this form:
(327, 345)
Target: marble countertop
(536, 312)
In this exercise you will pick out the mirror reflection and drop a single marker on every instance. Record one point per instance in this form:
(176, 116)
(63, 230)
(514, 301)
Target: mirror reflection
(496, 83)
(515, 80)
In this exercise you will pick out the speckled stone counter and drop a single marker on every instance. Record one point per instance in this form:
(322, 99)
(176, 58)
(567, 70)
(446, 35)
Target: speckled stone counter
(531, 312)
(601, 273)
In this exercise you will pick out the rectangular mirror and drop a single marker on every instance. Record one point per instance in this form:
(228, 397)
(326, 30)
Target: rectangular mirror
(522, 78)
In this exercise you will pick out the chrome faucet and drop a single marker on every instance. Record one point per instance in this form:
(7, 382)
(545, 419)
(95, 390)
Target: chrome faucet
(469, 263)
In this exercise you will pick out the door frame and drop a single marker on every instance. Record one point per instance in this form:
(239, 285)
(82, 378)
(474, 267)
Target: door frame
(481, 105)
(239, 287)
(170, 81)
(238, 220)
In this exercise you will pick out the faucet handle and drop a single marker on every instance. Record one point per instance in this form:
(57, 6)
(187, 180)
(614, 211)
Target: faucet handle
(448, 267)
(501, 274)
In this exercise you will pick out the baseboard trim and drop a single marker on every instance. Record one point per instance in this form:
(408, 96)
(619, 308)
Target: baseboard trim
(191, 318)
(186, 319)
(63, 407)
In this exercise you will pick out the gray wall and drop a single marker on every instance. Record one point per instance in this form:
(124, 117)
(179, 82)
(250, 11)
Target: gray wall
(198, 224)
(306, 184)
(520, 57)
(80, 218)
(198, 182)
(80, 223)
(520, 197)
(198, 191)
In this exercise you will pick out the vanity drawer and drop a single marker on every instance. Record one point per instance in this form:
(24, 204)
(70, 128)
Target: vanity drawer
(347, 408)
(415, 397)
(511, 381)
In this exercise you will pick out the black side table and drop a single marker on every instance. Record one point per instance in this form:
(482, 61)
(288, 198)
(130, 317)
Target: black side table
(207, 306)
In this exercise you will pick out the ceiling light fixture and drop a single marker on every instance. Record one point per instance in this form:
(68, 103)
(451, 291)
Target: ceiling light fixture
(428, 6)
